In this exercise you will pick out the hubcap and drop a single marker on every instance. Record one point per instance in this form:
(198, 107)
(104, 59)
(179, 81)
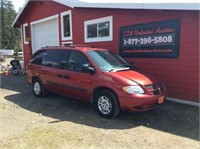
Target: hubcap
(104, 105)
(37, 88)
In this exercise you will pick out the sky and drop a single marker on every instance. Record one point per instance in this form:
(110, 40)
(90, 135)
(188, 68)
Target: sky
(18, 3)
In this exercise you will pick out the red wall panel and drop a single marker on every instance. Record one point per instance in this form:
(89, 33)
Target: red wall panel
(181, 75)
(38, 10)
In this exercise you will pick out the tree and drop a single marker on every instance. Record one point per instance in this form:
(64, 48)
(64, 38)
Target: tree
(10, 38)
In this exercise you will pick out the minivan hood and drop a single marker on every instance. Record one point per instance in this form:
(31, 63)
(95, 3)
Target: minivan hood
(137, 76)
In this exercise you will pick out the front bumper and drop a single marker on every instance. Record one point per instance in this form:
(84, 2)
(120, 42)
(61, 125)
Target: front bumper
(140, 102)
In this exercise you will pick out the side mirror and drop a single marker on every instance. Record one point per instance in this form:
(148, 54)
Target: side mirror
(87, 68)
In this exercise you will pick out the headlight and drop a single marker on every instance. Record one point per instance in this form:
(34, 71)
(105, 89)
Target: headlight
(133, 89)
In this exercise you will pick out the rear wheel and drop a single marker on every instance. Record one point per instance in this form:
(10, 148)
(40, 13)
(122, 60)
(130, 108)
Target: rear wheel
(106, 104)
(38, 88)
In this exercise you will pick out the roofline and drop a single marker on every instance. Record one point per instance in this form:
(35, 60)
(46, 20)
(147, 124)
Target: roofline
(19, 13)
(152, 6)
(66, 3)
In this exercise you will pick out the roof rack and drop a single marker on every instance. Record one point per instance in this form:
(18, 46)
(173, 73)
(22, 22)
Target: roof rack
(80, 46)
(49, 46)
(71, 46)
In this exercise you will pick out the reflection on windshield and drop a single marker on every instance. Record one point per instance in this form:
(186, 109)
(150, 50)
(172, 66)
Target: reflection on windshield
(108, 61)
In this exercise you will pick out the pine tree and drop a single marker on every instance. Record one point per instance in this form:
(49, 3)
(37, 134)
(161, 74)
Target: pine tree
(9, 37)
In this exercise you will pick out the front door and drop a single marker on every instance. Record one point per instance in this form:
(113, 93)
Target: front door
(76, 82)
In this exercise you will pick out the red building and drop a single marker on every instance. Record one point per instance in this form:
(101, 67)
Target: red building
(160, 38)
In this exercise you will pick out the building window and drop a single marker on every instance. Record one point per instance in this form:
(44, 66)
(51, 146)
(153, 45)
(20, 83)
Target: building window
(66, 25)
(98, 30)
(26, 33)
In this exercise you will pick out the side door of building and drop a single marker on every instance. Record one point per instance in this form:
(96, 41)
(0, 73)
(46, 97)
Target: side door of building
(77, 82)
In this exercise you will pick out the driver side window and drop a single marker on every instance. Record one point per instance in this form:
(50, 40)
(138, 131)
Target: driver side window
(76, 61)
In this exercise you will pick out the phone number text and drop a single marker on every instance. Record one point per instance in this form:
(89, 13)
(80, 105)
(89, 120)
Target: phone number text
(149, 40)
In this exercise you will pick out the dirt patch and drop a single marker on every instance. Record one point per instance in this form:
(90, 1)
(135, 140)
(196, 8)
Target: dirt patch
(60, 122)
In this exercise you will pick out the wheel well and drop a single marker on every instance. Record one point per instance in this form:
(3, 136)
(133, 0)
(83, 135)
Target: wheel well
(98, 89)
(34, 78)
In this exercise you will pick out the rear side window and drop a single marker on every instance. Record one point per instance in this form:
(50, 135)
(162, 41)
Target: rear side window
(57, 58)
(38, 57)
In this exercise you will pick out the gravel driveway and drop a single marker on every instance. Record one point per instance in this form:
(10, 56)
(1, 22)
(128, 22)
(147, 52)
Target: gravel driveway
(57, 122)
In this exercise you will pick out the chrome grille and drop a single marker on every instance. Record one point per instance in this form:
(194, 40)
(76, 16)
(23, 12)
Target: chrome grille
(156, 89)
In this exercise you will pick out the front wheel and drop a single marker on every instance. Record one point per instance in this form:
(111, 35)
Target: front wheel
(38, 88)
(21, 72)
(106, 104)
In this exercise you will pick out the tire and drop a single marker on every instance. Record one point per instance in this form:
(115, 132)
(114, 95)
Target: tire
(38, 88)
(21, 72)
(106, 104)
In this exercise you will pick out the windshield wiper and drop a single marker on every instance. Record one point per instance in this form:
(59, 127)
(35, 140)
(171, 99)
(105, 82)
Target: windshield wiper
(119, 69)
(132, 67)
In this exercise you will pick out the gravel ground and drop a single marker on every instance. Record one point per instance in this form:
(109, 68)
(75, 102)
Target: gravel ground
(58, 122)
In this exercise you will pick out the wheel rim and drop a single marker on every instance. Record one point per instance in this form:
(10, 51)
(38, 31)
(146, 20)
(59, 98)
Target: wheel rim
(37, 88)
(104, 105)
(21, 72)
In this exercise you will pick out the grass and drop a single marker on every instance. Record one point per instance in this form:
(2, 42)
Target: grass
(38, 138)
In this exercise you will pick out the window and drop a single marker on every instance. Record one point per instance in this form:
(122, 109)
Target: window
(76, 61)
(26, 33)
(108, 61)
(57, 58)
(66, 25)
(67, 44)
(99, 29)
(38, 57)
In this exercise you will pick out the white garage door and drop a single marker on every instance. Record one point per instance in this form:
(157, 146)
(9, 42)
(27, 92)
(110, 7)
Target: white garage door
(45, 34)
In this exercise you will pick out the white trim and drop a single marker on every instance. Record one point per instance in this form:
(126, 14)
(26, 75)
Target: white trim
(45, 19)
(62, 27)
(41, 21)
(69, 42)
(97, 21)
(19, 13)
(130, 4)
(21, 28)
(184, 101)
(24, 35)
(69, 3)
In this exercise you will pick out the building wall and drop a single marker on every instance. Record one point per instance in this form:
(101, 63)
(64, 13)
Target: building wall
(181, 75)
(36, 11)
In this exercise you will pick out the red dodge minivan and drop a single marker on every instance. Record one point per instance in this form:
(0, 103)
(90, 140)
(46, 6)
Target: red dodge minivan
(95, 75)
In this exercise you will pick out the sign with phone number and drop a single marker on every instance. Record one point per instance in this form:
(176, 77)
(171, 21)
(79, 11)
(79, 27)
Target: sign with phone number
(155, 39)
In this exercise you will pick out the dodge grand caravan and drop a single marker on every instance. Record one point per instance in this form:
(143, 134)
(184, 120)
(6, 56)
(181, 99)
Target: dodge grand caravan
(95, 75)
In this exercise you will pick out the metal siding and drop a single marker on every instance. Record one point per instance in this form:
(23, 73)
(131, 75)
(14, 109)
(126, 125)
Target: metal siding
(45, 34)
(181, 75)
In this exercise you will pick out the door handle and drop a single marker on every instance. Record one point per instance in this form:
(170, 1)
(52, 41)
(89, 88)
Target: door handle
(66, 77)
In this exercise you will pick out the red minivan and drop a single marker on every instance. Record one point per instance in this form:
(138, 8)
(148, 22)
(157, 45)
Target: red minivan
(95, 75)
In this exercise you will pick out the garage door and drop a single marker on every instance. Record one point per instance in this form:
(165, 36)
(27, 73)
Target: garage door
(45, 34)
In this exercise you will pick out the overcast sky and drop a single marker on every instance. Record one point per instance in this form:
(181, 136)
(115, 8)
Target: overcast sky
(18, 3)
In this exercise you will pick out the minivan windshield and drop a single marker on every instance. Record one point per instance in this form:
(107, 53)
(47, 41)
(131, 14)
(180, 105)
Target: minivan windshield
(108, 61)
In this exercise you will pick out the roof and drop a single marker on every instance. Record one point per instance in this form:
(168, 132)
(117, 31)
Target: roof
(73, 47)
(125, 4)
(131, 4)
